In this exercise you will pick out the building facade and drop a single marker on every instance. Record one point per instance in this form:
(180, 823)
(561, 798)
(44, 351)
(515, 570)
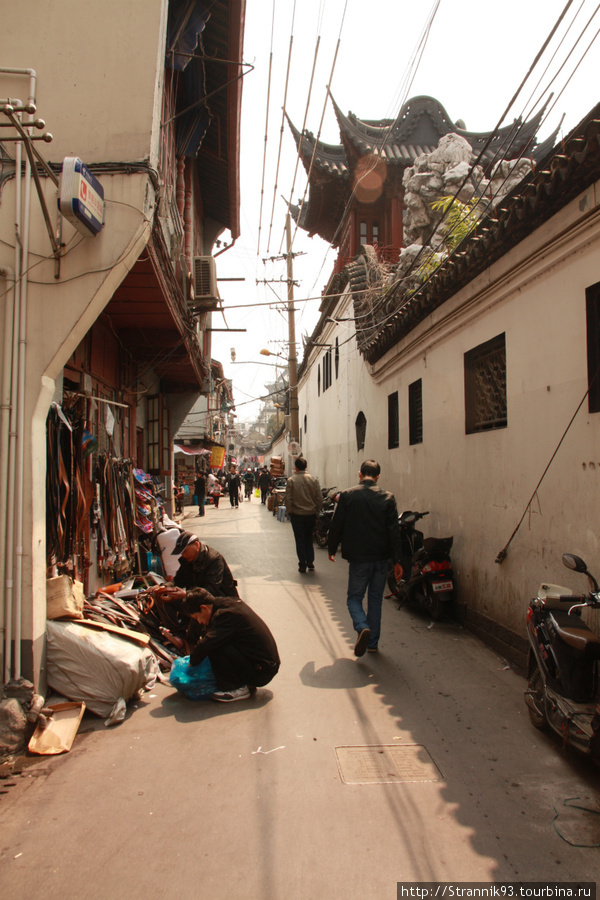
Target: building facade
(110, 328)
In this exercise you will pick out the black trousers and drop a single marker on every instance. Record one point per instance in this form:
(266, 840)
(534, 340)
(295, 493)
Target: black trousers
(234, 670)
(303, 527)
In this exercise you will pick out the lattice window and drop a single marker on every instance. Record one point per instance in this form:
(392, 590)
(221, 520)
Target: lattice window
(159, 437)
(485, 386)
(415, 412)
(592, 304)
(327, 378)
(393, 421)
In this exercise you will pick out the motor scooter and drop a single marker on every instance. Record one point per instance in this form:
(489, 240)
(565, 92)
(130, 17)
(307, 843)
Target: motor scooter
(428, 579)
(562, 689)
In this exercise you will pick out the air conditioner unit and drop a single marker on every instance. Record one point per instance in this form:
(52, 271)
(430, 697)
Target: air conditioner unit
(206, 296)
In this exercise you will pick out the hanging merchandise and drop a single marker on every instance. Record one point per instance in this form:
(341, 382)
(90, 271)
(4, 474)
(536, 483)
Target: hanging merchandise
(68, 490)
(115, 516)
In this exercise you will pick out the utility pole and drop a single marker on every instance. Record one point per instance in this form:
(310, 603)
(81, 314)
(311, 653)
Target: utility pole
(292, 358)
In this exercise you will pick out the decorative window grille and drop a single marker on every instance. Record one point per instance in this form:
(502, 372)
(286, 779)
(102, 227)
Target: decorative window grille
(337, 358)
(327, 370)
(485, 386)
(415, 412)
(361, 431)
(159, 437)
(592, 307)
(393, 421)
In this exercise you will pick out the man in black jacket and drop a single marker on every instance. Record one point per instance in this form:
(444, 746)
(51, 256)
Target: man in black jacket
(241, 649)
(366, 523)
(202, 566)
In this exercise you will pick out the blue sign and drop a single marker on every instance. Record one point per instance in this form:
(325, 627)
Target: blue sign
(81, 199)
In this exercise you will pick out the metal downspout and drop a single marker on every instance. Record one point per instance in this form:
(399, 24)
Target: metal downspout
(20, 475)
(9, 315)
(11, 366)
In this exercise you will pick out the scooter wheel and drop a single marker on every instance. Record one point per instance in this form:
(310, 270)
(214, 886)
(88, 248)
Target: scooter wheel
(393, 585)
(434, 604)
(535, 688)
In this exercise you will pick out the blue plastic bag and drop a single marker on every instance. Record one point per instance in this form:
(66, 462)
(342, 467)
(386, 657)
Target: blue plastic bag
(195, 682)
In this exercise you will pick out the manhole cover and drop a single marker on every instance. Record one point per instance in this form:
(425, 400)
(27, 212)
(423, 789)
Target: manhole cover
(386, 764)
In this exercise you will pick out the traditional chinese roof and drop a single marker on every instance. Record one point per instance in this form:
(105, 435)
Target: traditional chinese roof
(563, 175)
(421, 123)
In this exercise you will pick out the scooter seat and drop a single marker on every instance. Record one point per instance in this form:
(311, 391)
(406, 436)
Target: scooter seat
(438, 545)
(575, 634)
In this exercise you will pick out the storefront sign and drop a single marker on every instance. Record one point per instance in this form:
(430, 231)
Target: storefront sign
(217, 457)
(81, 199)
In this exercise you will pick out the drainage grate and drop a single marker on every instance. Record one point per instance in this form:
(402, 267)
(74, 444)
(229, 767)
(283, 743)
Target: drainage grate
(386, 764)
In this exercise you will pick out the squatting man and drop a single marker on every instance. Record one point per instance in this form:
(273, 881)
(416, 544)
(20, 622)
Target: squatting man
(241, 649)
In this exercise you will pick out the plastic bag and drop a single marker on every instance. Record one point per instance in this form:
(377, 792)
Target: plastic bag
(195, 682)
(257, 492)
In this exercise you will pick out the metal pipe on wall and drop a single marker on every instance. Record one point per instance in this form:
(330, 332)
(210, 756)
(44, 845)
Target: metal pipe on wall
(13, 561)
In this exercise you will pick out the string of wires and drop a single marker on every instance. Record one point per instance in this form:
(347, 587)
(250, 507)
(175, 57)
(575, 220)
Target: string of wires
(501, 151)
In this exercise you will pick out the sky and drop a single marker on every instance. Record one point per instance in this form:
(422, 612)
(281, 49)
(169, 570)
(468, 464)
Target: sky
(471, 55)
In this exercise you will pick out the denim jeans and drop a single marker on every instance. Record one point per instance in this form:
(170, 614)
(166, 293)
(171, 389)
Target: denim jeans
(367, 577)
(303, 527)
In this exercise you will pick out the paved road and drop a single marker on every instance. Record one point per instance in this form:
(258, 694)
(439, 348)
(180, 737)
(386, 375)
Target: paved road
(339, 780)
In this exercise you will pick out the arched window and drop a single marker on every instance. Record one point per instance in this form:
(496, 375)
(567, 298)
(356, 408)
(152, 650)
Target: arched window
(361, 431)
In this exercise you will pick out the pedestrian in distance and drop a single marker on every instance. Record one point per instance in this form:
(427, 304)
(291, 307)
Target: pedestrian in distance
(234, 486)
(365, 522)
(303, 500)
(200, 492)
(264, 483)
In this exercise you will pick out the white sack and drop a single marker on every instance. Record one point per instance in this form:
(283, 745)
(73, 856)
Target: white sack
(101, 669)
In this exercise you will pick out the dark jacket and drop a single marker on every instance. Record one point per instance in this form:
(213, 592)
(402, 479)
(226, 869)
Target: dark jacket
(366, 523)
(209, 570)
(237, 640)
(264, 481)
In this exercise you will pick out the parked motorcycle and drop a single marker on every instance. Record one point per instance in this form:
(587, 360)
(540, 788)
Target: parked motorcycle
(562, 689)
(427, 579)
(324, 516)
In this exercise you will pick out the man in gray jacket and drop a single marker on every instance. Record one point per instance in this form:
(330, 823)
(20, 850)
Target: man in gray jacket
(303, 500)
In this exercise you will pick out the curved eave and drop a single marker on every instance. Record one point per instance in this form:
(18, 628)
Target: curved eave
(329, 158)
(397, 140)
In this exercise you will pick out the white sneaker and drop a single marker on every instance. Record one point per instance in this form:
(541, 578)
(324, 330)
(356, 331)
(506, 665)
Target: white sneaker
(241, 693)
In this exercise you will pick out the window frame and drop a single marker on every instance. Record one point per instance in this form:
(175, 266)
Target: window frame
(474, 362)
(393, 421)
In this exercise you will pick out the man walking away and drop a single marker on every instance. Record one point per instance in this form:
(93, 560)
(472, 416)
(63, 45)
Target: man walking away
(303, 500)
(200, 492)
(264, 483)
(234, 484)
(366, 523)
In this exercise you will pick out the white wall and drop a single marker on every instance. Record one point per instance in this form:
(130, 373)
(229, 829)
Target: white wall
(477, 486)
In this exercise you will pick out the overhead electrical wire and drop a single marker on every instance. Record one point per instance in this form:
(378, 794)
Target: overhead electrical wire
(282, 129)
(262, 185)
(413, 66)
(386, 295)
(327, 93)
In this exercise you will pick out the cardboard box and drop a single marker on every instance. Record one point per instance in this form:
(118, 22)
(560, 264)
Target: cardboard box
(64, 597)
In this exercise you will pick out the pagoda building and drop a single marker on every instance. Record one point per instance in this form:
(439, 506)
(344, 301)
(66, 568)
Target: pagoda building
(356, 192)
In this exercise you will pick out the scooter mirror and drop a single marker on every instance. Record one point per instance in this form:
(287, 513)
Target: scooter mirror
(574, 562)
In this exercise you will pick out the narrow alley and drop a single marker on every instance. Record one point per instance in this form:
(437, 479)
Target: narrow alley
(339, 779)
